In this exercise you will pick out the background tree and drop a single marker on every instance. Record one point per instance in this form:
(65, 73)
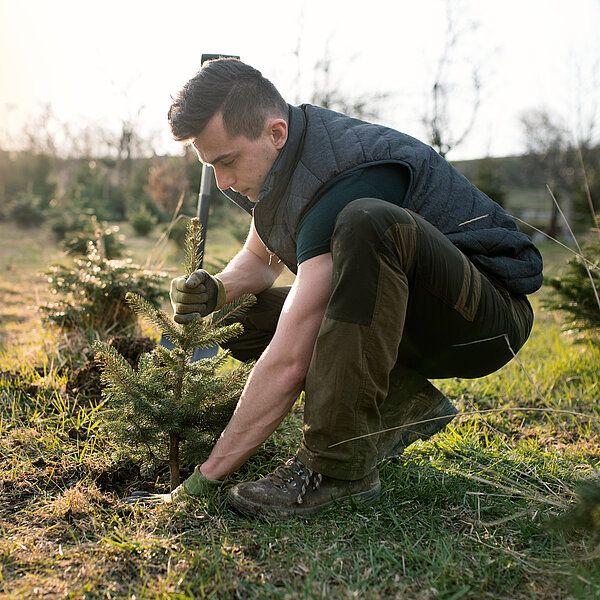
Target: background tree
(323, 84)
(445, 130)
(327, 92)
(551, 156)
(586, 201)
(576, 291)
(168, 184)
(491, 180)
(26, 175)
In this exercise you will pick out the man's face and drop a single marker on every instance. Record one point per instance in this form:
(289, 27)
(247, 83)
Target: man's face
(239, 163)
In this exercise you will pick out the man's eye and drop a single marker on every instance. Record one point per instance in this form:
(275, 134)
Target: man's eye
(228, 163)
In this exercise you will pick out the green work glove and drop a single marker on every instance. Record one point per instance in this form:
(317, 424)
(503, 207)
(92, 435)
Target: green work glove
(195, 486)
(197, 296)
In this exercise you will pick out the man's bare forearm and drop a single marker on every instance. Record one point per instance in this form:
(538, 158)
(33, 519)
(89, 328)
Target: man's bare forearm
(278, 377)
(267, 398)
(247, 273)
(252, 270)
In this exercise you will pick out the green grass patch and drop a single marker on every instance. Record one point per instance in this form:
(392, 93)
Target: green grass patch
(477, 512)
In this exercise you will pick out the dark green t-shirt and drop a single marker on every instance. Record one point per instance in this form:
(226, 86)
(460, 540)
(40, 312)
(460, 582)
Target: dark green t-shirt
(387, 181)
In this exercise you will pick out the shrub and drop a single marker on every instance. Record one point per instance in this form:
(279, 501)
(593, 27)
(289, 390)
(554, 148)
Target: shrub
(66, 221)
(91, 294)
(576, 291)
(168, 184)
(75, 227)
(143, 221)
(93, 189)
(100, 234)
(490, 181)
(26, 210)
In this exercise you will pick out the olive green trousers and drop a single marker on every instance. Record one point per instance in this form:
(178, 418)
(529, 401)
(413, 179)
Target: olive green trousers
(406, 306)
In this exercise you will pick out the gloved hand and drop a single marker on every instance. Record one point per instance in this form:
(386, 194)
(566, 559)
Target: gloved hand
(194, 486)
(195, 297)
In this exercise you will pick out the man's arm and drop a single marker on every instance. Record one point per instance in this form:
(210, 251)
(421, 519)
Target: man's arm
(278, 377)
(252, 270)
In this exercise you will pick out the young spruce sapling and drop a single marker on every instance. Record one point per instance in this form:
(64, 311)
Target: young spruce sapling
(170, 403)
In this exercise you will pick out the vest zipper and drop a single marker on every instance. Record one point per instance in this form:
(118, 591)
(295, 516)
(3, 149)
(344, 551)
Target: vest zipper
(271, 254)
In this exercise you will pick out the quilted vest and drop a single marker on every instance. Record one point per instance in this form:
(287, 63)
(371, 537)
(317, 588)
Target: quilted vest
(323, 145)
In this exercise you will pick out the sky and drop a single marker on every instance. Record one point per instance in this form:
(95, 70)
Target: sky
(103, 63)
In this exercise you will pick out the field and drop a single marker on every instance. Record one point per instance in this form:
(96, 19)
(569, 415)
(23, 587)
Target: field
(483, 510)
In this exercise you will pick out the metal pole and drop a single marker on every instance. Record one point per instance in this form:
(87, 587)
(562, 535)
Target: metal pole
(204, 196)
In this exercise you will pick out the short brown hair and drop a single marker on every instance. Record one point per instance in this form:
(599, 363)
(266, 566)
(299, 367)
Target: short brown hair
(240, 92)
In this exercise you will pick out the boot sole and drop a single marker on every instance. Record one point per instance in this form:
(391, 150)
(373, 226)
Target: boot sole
(254, 509)
(434, 421)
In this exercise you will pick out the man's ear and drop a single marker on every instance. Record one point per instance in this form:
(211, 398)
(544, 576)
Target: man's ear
(278, 132)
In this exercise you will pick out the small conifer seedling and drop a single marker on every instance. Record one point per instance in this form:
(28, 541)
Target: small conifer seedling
(171, 403)
(576, 291)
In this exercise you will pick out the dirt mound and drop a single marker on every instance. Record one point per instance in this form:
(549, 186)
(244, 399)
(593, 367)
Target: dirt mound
(86, 380)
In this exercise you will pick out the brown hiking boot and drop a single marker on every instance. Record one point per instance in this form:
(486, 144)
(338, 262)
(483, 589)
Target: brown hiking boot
(415, 423)
(294, 489)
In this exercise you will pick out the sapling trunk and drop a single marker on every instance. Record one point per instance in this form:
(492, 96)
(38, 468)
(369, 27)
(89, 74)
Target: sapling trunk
(174, 439)
(174, 460)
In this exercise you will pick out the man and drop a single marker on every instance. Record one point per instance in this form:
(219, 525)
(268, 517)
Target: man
(405, 271)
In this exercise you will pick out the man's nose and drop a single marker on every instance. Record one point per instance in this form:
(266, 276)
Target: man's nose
(224, 180)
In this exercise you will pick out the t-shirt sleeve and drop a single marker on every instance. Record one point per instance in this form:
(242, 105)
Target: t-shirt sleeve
(389, 182)
(315, 230)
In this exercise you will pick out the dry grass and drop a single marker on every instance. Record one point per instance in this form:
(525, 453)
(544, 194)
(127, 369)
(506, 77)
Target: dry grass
(472, 514)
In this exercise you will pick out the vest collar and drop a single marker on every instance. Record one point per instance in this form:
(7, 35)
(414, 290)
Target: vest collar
(285, 164)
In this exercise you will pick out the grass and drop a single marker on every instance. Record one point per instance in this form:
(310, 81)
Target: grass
(477, 512)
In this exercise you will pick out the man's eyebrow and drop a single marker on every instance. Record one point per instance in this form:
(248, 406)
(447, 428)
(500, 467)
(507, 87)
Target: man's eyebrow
(219, 158)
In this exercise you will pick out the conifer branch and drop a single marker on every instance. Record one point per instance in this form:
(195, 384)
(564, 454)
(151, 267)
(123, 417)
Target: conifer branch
(156, 317)
(231, 311)
(202, 337)
(193, 258)
(115, 370)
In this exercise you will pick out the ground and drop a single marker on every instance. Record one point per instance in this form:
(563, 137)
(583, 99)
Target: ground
(479, 511)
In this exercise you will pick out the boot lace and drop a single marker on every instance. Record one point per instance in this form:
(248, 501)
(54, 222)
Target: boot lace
(294, 476)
